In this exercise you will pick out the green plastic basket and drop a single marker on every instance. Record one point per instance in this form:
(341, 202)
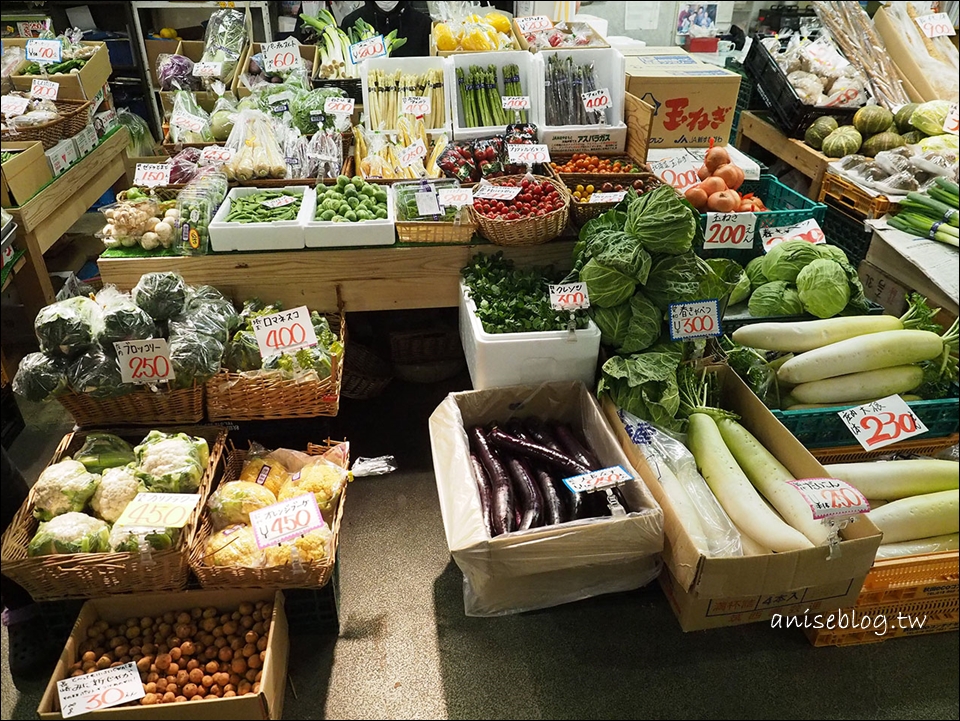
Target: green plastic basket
(847, 232)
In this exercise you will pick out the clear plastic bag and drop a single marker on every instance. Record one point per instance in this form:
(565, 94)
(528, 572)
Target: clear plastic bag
(189, 123)
(97, 373)
(183, 166)
(122, 318)
(223, 42)
(934, 544)
(40, 377)
(223, 114)
(13, 57)
(68, 327)
(324, 155)
(195, 357)
(175, 72)
(129, 220)
(196, 206)
(256, 153)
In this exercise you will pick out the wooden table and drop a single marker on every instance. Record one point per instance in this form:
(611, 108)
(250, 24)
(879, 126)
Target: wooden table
(754, 128)
(393, 277)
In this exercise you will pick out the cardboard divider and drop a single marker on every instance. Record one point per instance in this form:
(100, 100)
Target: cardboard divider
(82, 85)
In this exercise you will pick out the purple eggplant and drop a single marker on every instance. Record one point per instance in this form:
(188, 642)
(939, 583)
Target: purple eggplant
(503, 518)
(572, 447)
(486, 492)
(511, 444)
(530, 503)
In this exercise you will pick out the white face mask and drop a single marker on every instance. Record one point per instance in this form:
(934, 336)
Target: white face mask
(387, 7)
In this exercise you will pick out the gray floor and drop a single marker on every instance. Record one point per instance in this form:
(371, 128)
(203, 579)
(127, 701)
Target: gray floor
(406, 650)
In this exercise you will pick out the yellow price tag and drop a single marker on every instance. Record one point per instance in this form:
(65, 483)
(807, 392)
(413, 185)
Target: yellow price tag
(159, 510)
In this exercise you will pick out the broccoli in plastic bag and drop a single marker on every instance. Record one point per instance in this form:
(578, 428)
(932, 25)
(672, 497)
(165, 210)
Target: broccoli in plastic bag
(70, 533)
(206, 311)
(122, 318)
(195, 357)
(232, 502)
(101, 451)
(68, 327)
(63, 487)
(242, 353)
(162, 295)
(97, 373)
(40, 377)
(135, 539)
(171, 463)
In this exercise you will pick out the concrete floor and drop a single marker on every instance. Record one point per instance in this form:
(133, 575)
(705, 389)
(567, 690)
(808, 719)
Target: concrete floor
(406, 650)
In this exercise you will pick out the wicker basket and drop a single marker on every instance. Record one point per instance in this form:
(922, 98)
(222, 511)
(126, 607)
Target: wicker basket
(312, 574)
(144, 406)
(582, 212)
(416, 231)
(74, 117)
(593, 178)
(89, 575)
(268, 396)
(365, 375)
(526, 231)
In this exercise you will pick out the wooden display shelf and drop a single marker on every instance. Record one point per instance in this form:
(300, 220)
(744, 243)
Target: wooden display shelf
(394, 277)
(798, 155)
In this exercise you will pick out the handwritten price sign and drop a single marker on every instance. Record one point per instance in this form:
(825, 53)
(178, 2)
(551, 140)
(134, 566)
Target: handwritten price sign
(808, 230)
(598, 480)
(279, 202)
(830, 497)
(207, 69)
(215, 155)
(281, 55)
(455, 197)
(286, 521)
(12, 105)
(416, 105)
(44, 51)
(144, 361)
(516, 102)
(193, 123)
(412, 153)
(880, 423)
(366, 49)
(534, 24)
(952, 123)
(496, 192)
(936, 25)
(338, 106)
(159, 510)
(569, 296)
(152, 175)
(283, 332)
(99, 690)
(614, 197)
(697, 319)
(729, 230)
(44, 89)
(680, 172)
(597, 99)
(521, 154)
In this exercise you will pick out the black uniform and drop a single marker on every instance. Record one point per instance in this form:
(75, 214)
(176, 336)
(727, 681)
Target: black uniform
(408, 22)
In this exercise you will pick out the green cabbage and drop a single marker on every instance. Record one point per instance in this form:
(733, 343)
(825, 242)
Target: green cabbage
(645, 384)
(612, 322)
(832, 252)
(929, 117)
(786, 260)
(606, 287)
(622, 252)
(682, 278)
(823, 289)
(754, 271)
(643, 330)
(734, 276)
(662, 221)
(775, 298)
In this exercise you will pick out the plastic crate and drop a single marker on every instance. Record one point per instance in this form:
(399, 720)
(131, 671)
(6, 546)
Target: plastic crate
(351, 86)
(920, 446)
(912, 578)
(852, 198)
(847, 232)
(938, 615)
(747, 97)
(785, 106)
(315, 610)
(732, 322)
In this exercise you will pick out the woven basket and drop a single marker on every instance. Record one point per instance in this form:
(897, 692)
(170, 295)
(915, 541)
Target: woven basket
(425, 346)
(313, 574)
(89, 575)
(416, 231)
(145, 406)
(74, 117)
(582, 212)
(526, 231)
(592, 178)
(365, 375)
(269, 396)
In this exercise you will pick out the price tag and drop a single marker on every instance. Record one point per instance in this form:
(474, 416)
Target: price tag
(99, 690)
(952, 123)
(416, 105)
(678, 171)
(12, 105)
(569, 296)
(144, 361)
(187, 121)
(151, 175)
(808, 230)
(412, 153)
(729, 230)
(597, 99)
(280, 202)
(598, 480)
(830, 497)
(455, 197)
(534, 24)
(697, 319)
(286, 521)
(207, 69)
(44, 51)
(281, 55)
(215, 155)
(516, 102)
(44, 89)
(879, 423)
(614, 197)
(338, 106)
(105, 120)
(427, 203)
(490, 191)
(366, 49)
(283, 332)
(936, 25)
(159, 510)
(280, 103)
(522, 154)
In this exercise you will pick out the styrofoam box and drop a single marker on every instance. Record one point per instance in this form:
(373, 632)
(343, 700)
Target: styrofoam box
(531, 80)
(415, 66)
(327, 234)
(611, 70)
(508, 359)
(279, 235)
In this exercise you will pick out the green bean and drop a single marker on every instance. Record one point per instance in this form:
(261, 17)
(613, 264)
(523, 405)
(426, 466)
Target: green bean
(251, 208)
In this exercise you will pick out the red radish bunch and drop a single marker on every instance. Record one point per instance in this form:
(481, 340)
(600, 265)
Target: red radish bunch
(535, 198)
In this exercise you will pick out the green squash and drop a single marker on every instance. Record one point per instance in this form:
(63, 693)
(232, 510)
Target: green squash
(872, 119)
(819, 130)
(881, 141)
(843, 141)
(902, 117)
(912, 137)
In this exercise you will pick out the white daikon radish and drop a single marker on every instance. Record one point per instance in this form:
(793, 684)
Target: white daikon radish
(876, 503)
(932, 514)
(935, 544)
(860, 387)
(680, 500)
(751, 547)
(892, 480)
(811, 334)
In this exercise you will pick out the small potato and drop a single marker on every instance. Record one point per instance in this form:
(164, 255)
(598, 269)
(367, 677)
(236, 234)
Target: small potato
(148, 649)
(187, 648)
(255, 661)
(230, 628)
(168, 697)
(190, 690)
(262, 643)
(150, 688)
(212, 667)
(125, 659)
(196, 675)
(249, 650)
(184, 617)
(163, 661)
(193, 664)
(210, 652)
(258, 628)
(238, 666)
(161, 685)
(224, 617)
(220, 641)
(208, 624)
(196, 612)
(143, 665)
(146, 622)
(92, 632)
(236, 616)
(173, 668)
(149, 700)
(206, 639)
(169, 617)
(218, 632)
(251, 637)
(207, 681)
(153, 677)
(236, 644)
(244, 688)
(229, 694)
(182, 677)
(115, 641)
(226, 654)
(181, 699)
(76, 672)
(215, 691)
(175, 653)
(251, 675)
(184, 630)
(221, 679)
(210, 612)
(247, 622)
(246, 608)
(196, 698)
(121, 650)
(115, 664)
(89, 667)
(132, 632)
(89, 657)
(201, 691)
(256, 687)
(172, 687)
(136, 650)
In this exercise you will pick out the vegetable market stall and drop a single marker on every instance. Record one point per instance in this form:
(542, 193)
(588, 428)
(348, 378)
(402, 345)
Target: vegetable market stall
(755, 130)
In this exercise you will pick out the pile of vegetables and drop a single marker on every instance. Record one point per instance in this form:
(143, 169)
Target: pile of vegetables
(266, 206)
(480, 100)
(719, 181)
(564, 35)
(593, 164)
(933, 214)
(405, 195)
(256, 153)
(566, 82)
(334, 44)
(537, 197)
(73, 56)
(387, 90)
(486, 157)
(190, 655)
(351, 200)
(473, 32)
(139, 219)
(582, 193)
(223, 42)
(378, 154)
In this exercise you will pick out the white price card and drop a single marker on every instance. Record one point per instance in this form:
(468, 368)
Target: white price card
(151, 175)
(879, 423)
(44, 89)
(936, 25)
(366, 49)
(281, 55)
(337, 106)
(283, 332)
(286, 521)
(187, 121)
(99, 690)
(12, 105)
(614, 197)
(489, 191)
(569, 296)
(808, 230)
(416, 105)
(679, 171)
(729, 230)
(207, 69)
(159, 510)
(534, 24)
(516, 102)
(280, 202)
(598, 480)
(523, 154)
(216, 155)
(455, 197)
(831, 497)
(427, 203)
(952, 123)
(412, 153)
(696, 319)
(144, 361)
(597, 99)
(105, 120)
(44, 51)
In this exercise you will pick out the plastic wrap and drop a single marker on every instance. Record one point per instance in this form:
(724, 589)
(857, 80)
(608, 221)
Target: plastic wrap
(196, 206)
(195, 357)
(68, 327)
(937, 57)
(122, 318)
(13, 57)
(324, 479)
(259, 467)
(189, 123)
(175, 72)
(223, 42)
(97, 373)
(547, 566)
(232, 502)
(233, 546)
(934, 544)
(255, 150)
(183, 166)
(72, 532)
(222, 115)
(141, 139)
(324, 155)
(171, 462)
(40, 377)
(162, 295)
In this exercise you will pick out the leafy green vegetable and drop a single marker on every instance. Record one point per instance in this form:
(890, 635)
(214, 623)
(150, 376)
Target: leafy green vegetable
(607, 287)
(775, 298)
(68, 327)
(624, 253)
(612, 322)
(832, 252)
(40, 377)
(644, 326)
(662, 222)
(308, 113)
(195, 357)
(162, 295)
(734, 276)
(786, 260)
(754, 271)
(104, 450)
(682, 278)
(822, 288)
(242, 352)
(645, 384)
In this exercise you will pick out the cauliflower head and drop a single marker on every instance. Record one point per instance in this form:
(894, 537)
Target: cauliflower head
(71, 532)
(311, 547)
(140, 538)
(171, 463)
(61, 488)
(269, 473)
(321, 478)
(232, 502)
(233, 546)
(118, 486)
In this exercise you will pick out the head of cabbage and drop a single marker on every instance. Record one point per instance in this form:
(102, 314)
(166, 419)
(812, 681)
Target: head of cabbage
(823, 288)
(776, 298)
(754, 271)
(929, 117)
(786, 260)
(606, 286)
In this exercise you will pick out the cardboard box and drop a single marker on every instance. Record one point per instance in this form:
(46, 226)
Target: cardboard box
(881, 288)
(598, 40)
(267, 704)
(545, 566)
(714, 592)
(693, 102)
(193, 49)
(24, 174)
(155, 48)
(83, 85)
(308, 54)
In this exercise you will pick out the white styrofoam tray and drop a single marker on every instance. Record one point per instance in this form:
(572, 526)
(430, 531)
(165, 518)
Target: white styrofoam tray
(507, 359)
(327, 234)
(279, 235)
(415, 66)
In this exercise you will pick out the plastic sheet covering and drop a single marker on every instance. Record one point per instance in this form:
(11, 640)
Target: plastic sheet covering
(938, 57)
(551, 565)
(947, 542)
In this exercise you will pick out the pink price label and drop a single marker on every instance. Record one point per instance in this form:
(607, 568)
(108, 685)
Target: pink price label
(696, 319)
(216, 154)
(679, 172)
(534, 24)
(614, 197)
(729, 230)
(99, 690)
(288, 330)
(831, 497)
(455, 197)
(598, 480)
(44, 51)
(44, 89)
(952, 123)
(286, 521)
(416, 105)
